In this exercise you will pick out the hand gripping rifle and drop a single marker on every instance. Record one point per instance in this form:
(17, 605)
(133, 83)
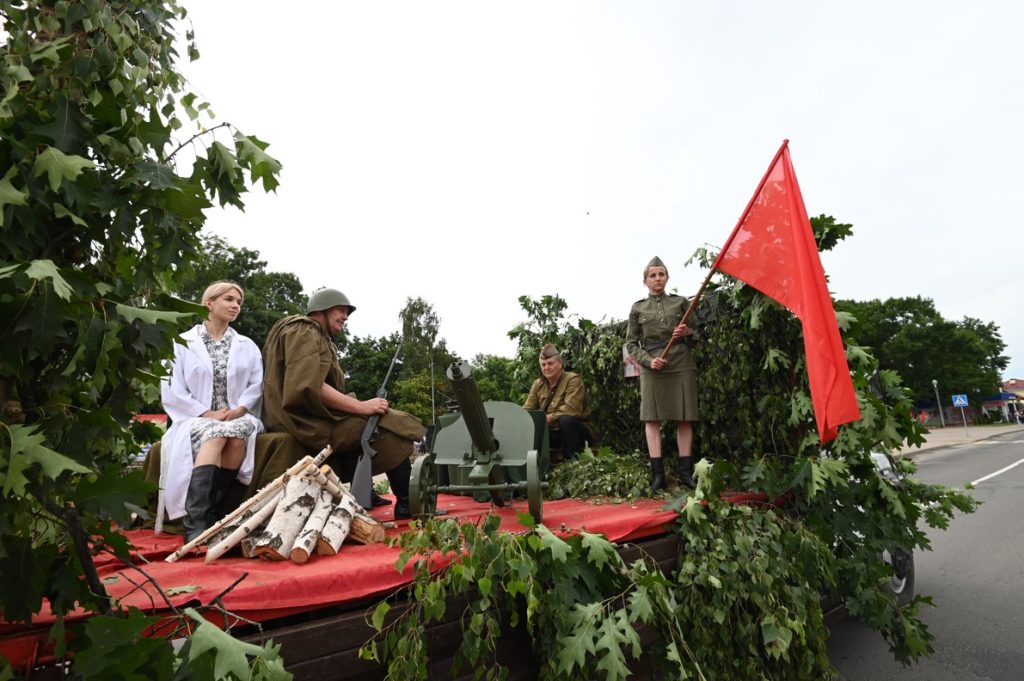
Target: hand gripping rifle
(362, 479)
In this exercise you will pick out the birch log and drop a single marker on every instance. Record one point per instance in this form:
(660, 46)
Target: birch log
(333, 477)
(269, 490)
(365, 528)
(248, 545)
(338, 525)
(216, 549)
(275, 542)
(305, 543)
(331, 484)
(241, 519)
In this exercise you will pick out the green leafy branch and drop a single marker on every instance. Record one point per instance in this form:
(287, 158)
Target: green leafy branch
(749, 584)
(579, 602)
(600, 473)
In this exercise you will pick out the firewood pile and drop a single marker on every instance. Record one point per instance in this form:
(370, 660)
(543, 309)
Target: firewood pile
(305, 510)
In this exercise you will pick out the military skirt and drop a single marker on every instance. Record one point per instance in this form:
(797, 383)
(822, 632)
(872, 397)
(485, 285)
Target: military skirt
(668, 396)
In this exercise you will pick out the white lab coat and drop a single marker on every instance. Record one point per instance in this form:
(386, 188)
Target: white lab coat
(186, 394)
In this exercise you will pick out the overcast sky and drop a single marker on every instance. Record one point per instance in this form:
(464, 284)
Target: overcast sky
(473, 152)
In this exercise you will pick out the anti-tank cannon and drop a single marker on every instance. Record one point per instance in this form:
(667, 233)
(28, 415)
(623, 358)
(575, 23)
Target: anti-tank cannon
(488, 447)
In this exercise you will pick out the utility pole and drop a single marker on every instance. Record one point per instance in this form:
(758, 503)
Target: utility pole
(938, 401)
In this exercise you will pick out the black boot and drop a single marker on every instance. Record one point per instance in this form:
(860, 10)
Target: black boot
(686, 472)
(198, 500)
(225, 479)
(399, 479)
(657, 475)
(377, 500)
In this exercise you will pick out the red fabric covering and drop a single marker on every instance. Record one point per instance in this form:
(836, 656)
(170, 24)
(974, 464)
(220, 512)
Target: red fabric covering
(276, 589)
(772, 248)
(357, 571)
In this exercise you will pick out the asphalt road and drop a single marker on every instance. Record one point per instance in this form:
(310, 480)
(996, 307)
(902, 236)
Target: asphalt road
(974, 572)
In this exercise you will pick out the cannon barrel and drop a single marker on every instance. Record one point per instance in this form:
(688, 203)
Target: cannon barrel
(472, 407)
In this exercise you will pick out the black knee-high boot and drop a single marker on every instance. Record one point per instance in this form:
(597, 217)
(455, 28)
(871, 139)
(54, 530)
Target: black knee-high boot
(398, 478)
(198, 500)
(225, 478)
(657, 475)
(686, 471)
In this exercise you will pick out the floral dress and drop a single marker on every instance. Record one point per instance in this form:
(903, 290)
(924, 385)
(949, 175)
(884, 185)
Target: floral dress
(204, 429)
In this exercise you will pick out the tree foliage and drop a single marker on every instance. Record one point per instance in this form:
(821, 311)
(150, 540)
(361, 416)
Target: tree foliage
(268, 295)
(594, 351)
(757, 432)
(98, 205)
(495, 378)
(424, 359)
(578, 600)
(909, 336)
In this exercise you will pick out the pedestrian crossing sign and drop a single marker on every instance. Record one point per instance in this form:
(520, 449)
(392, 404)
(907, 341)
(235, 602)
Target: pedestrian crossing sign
(959, 400)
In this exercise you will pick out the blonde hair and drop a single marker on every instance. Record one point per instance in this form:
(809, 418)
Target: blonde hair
(219, 288)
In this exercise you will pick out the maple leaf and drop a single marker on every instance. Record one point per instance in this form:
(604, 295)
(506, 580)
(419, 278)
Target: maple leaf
(59, 166)
(559, 549)
(230, 653)
(8, 194)
(599, 550)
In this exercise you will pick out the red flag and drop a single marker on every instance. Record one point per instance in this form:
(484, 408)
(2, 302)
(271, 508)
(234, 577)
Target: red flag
(773, 250)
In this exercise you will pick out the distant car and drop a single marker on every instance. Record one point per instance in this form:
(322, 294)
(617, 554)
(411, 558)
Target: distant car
(902, 561)
(901, 584)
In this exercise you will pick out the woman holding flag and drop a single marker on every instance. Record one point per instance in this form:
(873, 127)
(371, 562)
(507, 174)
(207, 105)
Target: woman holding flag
(668, 380)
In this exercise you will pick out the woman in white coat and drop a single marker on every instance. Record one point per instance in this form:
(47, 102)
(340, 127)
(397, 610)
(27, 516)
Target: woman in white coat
(213, 397)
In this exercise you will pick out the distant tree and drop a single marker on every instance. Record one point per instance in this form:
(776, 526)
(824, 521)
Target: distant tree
(496, 379)
(268, 295)
(365, 362)
(423, 385)
(420, 325)
(425, 357)
(910, 336)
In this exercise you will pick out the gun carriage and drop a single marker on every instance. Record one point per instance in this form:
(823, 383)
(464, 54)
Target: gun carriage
(488, 447)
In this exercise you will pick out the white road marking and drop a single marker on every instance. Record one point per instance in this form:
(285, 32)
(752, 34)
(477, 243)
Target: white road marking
(998, 472)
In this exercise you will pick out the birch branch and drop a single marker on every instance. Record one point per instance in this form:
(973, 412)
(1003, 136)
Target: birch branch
(246, 528)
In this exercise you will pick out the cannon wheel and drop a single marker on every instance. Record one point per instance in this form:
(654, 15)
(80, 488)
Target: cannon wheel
(423, 487)
(534, 494)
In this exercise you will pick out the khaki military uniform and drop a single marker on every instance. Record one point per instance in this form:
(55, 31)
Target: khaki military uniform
(298, 358)
(671, 393)
(567, 398)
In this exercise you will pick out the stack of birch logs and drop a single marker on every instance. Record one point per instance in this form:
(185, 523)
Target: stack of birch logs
(304, 510)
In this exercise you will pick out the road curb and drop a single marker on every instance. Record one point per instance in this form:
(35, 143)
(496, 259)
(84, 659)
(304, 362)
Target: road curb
(986, 433)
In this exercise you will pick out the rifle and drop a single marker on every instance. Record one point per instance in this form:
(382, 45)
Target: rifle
(362, 479)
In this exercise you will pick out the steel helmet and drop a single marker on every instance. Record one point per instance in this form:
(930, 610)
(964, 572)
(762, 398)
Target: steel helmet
(326, 298)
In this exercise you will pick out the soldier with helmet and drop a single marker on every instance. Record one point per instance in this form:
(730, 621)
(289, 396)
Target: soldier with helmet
(668, 385)
(304, 395)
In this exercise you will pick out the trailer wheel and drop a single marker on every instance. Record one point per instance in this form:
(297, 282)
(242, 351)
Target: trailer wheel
(423, 487)
(901, 584)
